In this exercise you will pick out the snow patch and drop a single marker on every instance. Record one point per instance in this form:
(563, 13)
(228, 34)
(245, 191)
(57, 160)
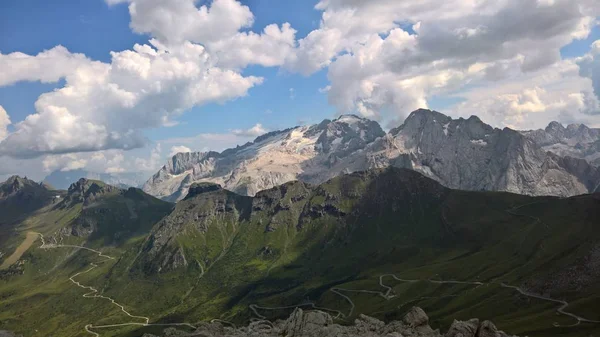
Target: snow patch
(446, 128)
(479, 142)
(349, 119)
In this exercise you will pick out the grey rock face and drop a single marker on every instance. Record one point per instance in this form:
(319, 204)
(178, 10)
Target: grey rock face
(463, 329)
(87, 191)
(575, 140)
(313, 153)
(199, 188)
(16, 184)
(459, 153)
(469, 154)
(320, 324)
(416, 317)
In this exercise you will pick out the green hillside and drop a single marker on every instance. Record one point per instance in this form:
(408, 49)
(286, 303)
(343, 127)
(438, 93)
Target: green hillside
(376, 242)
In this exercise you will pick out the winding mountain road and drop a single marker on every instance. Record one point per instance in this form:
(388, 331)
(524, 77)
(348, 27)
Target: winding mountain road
(387, 296)
(94, 293)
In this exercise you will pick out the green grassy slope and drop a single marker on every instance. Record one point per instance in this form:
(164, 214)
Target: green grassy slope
(36, 295)
(217, 254)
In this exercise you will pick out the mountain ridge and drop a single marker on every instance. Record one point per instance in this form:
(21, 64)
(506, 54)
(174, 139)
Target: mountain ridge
(365, 242)
(459, 153)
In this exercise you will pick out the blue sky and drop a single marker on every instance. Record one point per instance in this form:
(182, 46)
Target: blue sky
(95, 29)
(378, 59)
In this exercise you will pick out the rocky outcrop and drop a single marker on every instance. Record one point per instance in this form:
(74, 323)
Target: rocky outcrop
(460, 153)
(321, 324)
(21, 196)
(468, 154)
(199, 188)
(87, 192)
(463, 328)
(16, 184)
(574, 140)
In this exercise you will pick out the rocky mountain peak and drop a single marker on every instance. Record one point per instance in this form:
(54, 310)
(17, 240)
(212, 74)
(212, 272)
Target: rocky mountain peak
(461, 153)
(425, 115)
(201, 188)
(15, 184)
(423, 118)
(182, 162)
(555, 128)
(345, 134)
(86, 190)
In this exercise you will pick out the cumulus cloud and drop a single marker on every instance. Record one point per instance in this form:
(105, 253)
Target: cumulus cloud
(531, 101)
(104, 106)
(179, 149)
(4, 123)
(176, 21)
(388, 57)
(254, 131)
(216, 26)
(590, 66)
(48, 66)
(196, 56)
(271, 48)
(385, 58)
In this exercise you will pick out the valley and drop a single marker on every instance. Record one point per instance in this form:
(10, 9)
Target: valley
(375, 242)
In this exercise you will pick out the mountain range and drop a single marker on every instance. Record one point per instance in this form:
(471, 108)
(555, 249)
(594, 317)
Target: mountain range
(63, 179)
(459, 153)
(119, 262)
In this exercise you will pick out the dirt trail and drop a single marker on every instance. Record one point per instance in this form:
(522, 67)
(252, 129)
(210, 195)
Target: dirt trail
(23, 247)
(94, 293)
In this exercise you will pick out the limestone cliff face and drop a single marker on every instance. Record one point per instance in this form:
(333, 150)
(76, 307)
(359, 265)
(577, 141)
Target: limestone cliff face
(311, 153)
(460, 153)
(574, 140)
(471, 155)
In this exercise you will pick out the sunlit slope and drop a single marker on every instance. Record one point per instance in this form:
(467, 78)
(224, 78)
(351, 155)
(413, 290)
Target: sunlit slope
(38, 298)
(375, 242)
(218, 253)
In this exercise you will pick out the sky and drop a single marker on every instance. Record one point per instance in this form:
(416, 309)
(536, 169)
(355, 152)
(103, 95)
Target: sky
(118, 86)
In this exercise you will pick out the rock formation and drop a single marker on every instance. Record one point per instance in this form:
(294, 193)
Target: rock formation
(321, 324)
(459, 153)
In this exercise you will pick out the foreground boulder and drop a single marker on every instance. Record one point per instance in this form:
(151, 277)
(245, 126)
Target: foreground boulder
(320, 324)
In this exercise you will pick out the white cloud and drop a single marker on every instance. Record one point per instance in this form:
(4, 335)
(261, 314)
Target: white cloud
(269, 49)
(501, 57)
(215, 25)
(530, 101)
(382, 69)
(196, 56)
(176, 21)
(4, 123)
(48, 66)
(590, 66)
(153, 162)
(179, 149)
(216, 141)
(254, 131)
(104, 106)
(325, 89)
